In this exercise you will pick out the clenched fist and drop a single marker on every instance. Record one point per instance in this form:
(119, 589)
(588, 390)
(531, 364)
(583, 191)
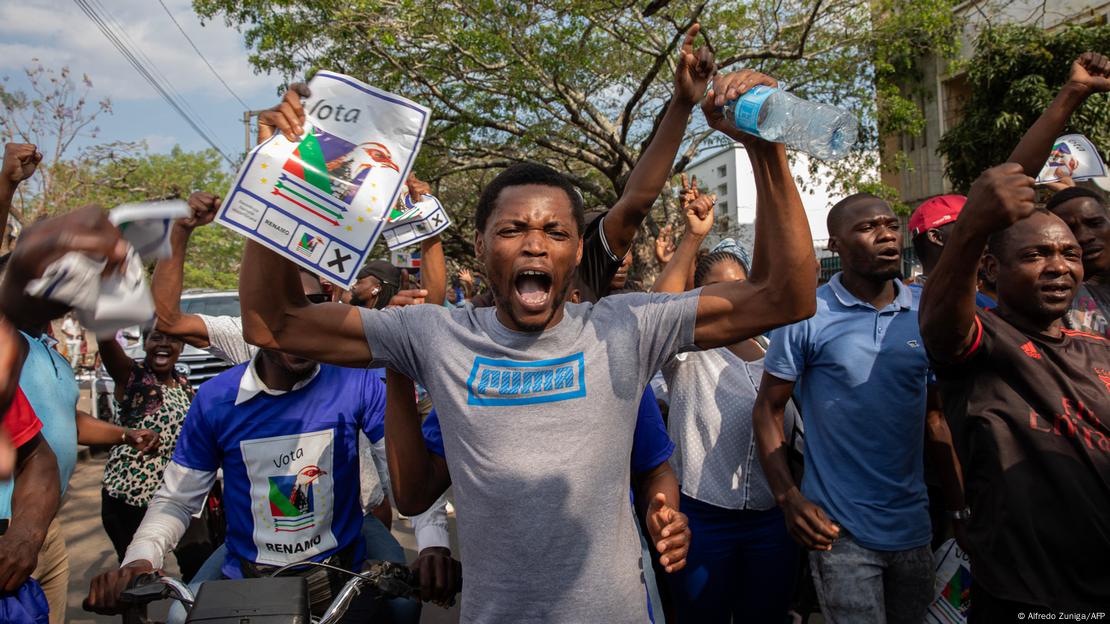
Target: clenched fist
(20, 161)
(1000, 197)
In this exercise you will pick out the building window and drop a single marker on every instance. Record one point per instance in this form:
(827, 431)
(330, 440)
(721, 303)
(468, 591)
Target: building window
(722, 171)
(722, 190)
(722, 209)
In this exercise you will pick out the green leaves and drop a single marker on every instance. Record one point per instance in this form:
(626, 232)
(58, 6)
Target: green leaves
(1015, 73)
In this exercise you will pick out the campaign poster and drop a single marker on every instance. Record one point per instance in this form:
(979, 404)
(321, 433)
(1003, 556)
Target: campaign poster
(323, 200)
(413, 222)
(1075, 153)
(952, 585)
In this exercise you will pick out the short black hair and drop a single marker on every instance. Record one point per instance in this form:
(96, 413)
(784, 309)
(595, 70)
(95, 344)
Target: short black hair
(528, 173)
(921, 245)
(836, 214)
(1074, 192)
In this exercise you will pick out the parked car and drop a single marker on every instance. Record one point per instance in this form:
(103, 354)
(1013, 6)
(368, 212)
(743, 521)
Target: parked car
(197, 364)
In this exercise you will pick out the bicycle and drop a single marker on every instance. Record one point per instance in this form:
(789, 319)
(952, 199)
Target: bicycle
(274, 599)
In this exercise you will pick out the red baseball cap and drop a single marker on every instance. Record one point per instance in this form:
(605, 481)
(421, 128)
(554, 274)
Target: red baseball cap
(935, 212)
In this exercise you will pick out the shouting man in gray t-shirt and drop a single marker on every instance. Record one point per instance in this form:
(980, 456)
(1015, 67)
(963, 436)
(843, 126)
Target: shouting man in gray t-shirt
(537, 398)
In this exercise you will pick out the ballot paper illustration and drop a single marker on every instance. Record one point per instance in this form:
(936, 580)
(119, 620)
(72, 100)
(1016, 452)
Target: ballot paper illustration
(415, 221)
(1075, 153)
(323, 200)
(952, 586)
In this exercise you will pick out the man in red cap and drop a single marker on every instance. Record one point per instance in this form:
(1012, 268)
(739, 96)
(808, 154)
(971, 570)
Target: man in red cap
(930, 226)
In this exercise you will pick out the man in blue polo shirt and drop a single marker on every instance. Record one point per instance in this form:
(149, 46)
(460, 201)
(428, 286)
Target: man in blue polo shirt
(857, 371)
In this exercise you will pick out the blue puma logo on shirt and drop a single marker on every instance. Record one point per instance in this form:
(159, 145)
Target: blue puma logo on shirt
(508, 382)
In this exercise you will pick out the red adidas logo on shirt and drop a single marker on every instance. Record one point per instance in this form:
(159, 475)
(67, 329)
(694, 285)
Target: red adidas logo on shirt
(1030, 350)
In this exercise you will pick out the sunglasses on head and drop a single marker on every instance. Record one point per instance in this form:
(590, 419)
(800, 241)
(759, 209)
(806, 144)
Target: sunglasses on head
(318, 297)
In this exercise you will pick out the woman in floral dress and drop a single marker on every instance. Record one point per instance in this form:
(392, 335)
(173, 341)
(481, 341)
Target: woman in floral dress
(151, 395)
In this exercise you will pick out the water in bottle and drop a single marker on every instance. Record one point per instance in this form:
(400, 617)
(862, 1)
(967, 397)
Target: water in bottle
(820, 130)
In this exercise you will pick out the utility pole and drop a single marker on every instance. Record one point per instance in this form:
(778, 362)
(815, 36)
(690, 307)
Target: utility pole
(247, 142)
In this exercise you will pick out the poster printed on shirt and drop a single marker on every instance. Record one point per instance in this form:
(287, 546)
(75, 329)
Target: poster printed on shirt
(292, 495)
(323, 200)
(952, 585)
(1075, 153)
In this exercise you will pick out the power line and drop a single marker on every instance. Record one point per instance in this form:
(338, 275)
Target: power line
(143, 71)
(197, 50)
(134, 47)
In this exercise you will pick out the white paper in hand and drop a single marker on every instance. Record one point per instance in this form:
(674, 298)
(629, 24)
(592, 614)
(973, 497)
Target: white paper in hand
(1075, 153)
(322, 201)
(147, 225)
(104, 304)
(416, 222)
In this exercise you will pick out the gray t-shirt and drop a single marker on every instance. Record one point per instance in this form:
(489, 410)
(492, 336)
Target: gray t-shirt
(537, 429)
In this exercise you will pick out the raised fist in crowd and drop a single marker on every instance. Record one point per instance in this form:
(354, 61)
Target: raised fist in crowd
(204, 206)
(20, 161)
(1000, 197)
(1092, 72)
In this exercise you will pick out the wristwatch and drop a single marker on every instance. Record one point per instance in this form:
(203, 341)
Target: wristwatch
(963, 514)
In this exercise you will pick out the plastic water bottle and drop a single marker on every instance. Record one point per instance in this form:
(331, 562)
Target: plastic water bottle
(820, 130)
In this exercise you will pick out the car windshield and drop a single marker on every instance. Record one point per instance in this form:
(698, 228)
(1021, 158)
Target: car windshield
(215, 305)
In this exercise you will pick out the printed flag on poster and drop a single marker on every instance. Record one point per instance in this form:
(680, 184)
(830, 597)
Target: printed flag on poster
(1075, 153)
(952, 585)
(323, 200)
(415, 221)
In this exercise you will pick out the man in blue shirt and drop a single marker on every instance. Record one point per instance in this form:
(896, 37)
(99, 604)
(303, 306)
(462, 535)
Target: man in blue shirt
(284, 430)
(857, 371)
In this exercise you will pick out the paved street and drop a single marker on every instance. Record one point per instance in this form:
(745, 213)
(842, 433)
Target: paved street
(90, 552)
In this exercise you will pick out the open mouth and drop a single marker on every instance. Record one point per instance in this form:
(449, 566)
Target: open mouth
(533, 288)
(889, 254)
(1056, 292)
(161, 357)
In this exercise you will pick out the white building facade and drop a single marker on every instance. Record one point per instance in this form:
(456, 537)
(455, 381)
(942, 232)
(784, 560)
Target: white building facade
(945, 94)
(727, 172)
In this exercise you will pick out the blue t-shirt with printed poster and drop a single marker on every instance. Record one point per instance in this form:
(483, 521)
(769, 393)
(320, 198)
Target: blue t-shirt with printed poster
(290, 463)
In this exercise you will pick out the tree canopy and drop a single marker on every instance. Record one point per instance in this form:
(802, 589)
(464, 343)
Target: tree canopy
(581, 84)
(1014, 74)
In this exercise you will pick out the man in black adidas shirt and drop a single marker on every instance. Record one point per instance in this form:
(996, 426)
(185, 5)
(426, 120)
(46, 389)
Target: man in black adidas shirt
(1028, 403)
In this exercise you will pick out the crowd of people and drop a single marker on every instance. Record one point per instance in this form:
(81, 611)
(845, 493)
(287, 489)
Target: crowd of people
(698, 453)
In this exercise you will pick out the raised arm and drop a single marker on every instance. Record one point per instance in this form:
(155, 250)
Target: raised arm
(165, 285)
(433, 270)
(806, 522)
(418, 475)
(678, 272)
(20, 161)
(116, 362)
(782, 285)
(1000, 197)
(1090, 74)
(276, 314)
(692, 75)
